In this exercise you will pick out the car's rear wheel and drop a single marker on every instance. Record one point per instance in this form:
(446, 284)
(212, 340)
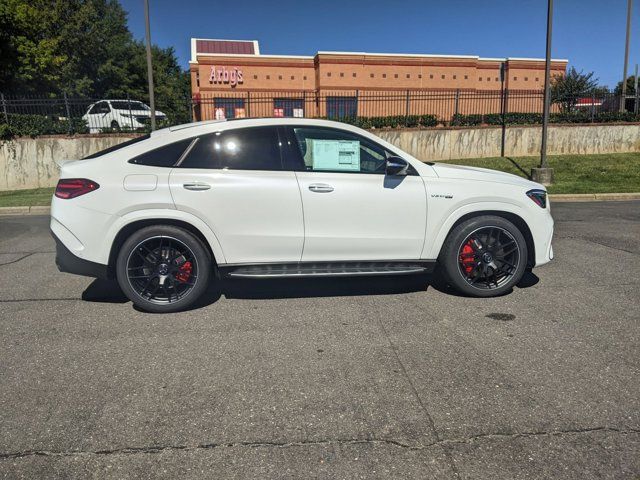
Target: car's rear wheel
(163, 268)
(484, 256)
(115, 125)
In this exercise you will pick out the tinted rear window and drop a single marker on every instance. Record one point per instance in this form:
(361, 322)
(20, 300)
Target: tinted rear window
(117, 147)
(254, 148)
(124, 105)
(165, 156)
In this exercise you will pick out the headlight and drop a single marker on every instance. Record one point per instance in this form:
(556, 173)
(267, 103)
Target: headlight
(539, 197)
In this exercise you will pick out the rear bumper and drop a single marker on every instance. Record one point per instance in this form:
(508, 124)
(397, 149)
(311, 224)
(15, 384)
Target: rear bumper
(67, 262)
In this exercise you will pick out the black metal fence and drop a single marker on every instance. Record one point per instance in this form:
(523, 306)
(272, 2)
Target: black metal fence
(24, 115)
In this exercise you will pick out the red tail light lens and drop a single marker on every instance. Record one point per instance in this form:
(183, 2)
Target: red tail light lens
(74, 187)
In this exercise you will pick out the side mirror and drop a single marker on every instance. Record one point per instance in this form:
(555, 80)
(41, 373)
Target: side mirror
(396, 166)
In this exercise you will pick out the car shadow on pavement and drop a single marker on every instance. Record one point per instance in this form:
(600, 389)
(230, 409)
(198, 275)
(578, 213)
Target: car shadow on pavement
(108, 291)
(323, 287)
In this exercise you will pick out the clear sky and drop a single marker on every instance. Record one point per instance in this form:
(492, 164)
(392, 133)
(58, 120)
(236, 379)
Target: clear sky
(590, 33)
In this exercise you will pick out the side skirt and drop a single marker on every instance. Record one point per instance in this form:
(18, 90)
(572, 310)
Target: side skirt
(327, 269)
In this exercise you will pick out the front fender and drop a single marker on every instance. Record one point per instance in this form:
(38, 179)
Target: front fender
(438, 229)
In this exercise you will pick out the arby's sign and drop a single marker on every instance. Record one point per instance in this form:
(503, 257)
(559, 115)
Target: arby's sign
(232, 76)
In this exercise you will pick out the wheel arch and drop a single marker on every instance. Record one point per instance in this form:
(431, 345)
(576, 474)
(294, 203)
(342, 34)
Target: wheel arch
(129, 228)
(514, 218)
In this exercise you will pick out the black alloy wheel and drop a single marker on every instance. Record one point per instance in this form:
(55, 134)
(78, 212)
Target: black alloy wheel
(163, 268)
(488, 257)
(484, 256)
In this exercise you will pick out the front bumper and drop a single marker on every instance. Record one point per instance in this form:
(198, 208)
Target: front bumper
(67, 262)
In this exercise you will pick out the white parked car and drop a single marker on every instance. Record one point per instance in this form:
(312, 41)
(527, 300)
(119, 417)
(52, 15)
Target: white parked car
(119, 114)
(171, 212)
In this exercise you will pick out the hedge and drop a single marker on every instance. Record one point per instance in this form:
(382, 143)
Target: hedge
(30, 125)
(520, 118)
(396, 121)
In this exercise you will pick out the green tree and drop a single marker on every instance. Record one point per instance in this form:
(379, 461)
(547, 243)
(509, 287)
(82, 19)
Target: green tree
(631, 86)
(83, 48)
(567, 89)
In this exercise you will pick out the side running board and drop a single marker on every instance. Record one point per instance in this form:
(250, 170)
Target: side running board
(326, 269)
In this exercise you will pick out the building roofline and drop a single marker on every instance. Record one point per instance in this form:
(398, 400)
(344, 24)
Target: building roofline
(194, 52)
(250, 55)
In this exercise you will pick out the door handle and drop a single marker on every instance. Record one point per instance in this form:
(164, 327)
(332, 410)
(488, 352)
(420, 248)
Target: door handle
(196, 186)
(320, 188)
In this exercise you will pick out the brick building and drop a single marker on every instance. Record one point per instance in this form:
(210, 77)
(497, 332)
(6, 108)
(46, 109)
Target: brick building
(232, 78)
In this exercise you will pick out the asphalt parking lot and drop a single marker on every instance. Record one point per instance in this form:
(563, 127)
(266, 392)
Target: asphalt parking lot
(367, 378)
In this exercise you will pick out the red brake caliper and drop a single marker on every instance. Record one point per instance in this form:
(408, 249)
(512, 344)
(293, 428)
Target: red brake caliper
(185, 272)
(466, 257)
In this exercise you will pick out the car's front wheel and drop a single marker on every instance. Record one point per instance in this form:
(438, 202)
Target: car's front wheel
(163, 268)
(484, 256)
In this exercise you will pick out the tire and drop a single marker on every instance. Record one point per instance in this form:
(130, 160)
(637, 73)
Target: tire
(114, 125)
(163, 268)
(484, 256)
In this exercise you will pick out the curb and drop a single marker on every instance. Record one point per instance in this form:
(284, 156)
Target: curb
(35, 210)
(593, 197)
(558, 197)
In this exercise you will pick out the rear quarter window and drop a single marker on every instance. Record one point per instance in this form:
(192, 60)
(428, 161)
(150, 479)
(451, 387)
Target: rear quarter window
(165, 156)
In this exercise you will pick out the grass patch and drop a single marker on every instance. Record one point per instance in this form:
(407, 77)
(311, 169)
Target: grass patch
(26, 198)
(606, 173)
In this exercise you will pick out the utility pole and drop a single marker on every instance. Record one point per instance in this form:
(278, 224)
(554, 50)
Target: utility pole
(544, 174)
(152, 101)
(635, 89)
(626, 58)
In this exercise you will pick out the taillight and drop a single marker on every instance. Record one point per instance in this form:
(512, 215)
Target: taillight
(539, 197)
(74, 187)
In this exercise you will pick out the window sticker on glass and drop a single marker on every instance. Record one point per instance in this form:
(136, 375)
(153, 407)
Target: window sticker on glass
(335, 154)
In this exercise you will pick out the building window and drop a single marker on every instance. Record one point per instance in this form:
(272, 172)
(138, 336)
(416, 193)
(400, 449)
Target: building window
(396, 75)
(354, 74)
(497, 79)
(479, 79)
(431, 76)
(455, 76)
(342, 107)
(288, 105)
(328, 74)
(304, 78)
(371, 75)
(408, 76)
(268, 77)
(342, 74)
(198, 79)
(442, 76)
(526, 79)
(229, 105)
(515, 78)
(537, 79)
(419, 75)
(384, 75)
(255, 77)
(466, 77)
(279, 77)
(292, 77)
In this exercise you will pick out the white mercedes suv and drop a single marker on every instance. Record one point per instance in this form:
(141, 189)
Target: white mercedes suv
(171, 212)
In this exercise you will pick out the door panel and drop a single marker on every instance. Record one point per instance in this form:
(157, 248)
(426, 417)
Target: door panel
(356, 216)
(256, 215)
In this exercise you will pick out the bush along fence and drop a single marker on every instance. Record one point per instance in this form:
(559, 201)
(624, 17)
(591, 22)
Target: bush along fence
(33, 116)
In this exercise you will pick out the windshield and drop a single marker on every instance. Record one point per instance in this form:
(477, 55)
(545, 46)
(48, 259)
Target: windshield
(125, 105)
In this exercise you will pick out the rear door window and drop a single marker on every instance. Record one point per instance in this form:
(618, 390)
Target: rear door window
(253, 148)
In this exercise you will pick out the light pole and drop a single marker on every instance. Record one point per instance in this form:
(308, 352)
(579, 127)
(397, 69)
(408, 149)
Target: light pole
(544, 174)
(152, 101)
(626, 58)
